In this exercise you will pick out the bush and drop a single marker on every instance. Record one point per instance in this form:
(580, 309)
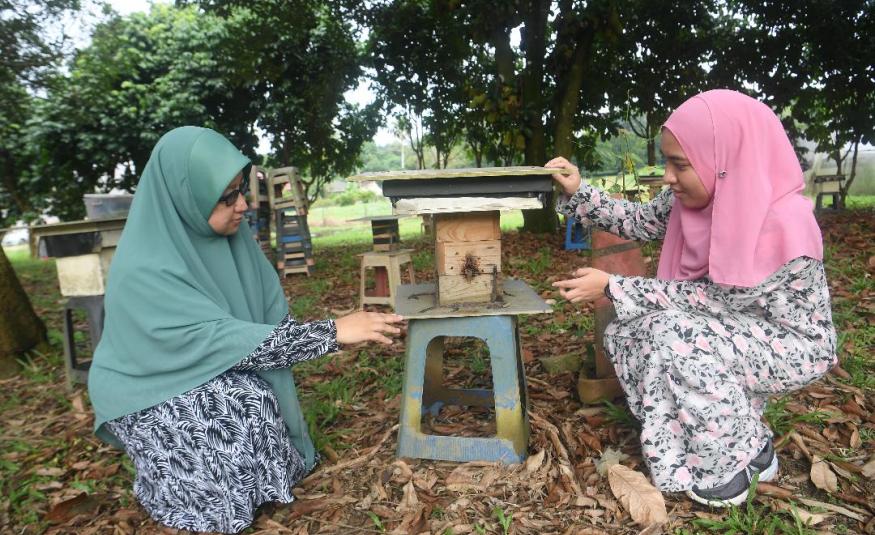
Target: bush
(349, 197)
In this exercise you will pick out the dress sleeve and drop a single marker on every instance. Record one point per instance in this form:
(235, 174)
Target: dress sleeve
(629, 220)
(797, 286)
(291, 342)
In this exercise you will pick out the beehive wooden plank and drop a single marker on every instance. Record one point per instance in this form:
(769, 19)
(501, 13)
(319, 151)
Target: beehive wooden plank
(462, 289)
(467, 227)
(473, 257)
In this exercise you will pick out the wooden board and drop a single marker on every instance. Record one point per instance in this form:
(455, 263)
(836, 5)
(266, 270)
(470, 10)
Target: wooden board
(417, 301)
(447, 205)
(468, 172)
(461, 289)
(451, 257)
(476, 226)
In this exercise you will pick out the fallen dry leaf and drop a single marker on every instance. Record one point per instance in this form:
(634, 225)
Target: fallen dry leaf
(834, 508)
(822, 476)
(609, 458)
(869, 468)
(469, 477)
(409, 500)
(80, 505)
(643, 501)
(811, 519)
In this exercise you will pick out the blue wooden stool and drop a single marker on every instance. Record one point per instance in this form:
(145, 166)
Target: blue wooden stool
(424, 391)
(576, 237)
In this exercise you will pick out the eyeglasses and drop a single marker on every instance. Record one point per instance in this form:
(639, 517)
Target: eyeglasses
(231, 197)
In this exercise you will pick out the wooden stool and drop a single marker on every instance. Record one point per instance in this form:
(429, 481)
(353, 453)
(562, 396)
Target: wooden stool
(827, 186)
(390, 262)
(424, 391)
(77, 372)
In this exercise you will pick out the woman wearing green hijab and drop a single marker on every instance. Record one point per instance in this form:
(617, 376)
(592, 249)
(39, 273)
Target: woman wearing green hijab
(191, 375)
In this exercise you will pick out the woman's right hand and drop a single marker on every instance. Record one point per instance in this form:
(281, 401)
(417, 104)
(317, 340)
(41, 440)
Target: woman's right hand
(570, 183)
(367, 327)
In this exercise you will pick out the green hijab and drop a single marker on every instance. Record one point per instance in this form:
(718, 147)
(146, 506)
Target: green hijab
(184, 304)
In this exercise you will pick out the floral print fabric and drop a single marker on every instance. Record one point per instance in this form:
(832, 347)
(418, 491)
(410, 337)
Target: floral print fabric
(698, 360)
(206, 459)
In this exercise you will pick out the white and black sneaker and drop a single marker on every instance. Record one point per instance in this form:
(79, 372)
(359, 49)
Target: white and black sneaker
(736, 490)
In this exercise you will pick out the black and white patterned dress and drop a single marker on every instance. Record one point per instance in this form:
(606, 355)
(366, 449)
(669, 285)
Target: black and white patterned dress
(698, 360)
(206, 459)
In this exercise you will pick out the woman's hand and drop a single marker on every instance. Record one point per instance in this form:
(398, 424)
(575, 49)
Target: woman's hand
(588, 286)
(569, 183)
(367, 327)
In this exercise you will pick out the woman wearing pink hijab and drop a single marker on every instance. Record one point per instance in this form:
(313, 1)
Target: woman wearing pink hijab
(740, 307)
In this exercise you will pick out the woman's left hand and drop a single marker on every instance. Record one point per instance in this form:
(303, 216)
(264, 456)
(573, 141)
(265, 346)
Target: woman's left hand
(588, 285)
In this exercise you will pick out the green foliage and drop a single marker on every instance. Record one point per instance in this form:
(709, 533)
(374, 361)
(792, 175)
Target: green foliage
(503, 519)
(781, 421)
(350, 197)
(755, 520)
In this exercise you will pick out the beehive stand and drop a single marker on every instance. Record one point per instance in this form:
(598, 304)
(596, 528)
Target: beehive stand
(259, 216)
(386, 262)
(289, 205)
(83, 251)
(470, 298)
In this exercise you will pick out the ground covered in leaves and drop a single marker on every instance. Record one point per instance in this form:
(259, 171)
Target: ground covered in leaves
(584, 474)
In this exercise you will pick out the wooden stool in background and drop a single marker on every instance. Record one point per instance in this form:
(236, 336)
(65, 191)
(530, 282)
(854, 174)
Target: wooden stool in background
(387, 275)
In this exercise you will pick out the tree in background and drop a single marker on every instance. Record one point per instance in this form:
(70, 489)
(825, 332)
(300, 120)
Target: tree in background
(811, 61)
(299, 58)
(26, 58)
(545, 95)
(664, 50)
(140, 77)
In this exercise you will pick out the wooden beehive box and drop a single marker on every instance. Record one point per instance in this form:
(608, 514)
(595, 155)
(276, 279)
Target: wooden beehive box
(465, 205)
(468, 257)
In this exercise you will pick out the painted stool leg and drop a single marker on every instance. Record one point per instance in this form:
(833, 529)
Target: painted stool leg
(409, 431)
(394, 279)
(362, 273)
(510, 411)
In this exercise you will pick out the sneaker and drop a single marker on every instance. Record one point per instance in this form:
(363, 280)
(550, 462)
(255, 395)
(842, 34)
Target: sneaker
(766, 463)
(735, 491)
(732, 493)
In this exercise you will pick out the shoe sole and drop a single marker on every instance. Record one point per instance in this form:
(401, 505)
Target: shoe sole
(766, 475)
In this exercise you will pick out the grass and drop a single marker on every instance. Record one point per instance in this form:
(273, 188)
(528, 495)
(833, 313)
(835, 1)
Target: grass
(781, 421)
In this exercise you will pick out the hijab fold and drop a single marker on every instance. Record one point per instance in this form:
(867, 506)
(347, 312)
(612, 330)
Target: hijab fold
(183, 303)
(758, 219)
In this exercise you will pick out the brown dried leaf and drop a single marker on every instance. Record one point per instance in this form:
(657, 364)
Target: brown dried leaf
(643, 501)
(409, 500)
(83, 504)
(869, 468)
(534, 462)
(822, 476)
(470, 477)
(812, 519)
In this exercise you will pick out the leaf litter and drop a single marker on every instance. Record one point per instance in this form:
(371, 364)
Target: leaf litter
(584, 474)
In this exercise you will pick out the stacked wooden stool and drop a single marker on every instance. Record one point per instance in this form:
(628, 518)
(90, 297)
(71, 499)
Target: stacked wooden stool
(289, 205)
(83, 251)
(472, 299)
(386, 261)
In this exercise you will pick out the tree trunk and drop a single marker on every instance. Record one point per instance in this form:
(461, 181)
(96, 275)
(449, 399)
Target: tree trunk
(20, 328)
(531, 90)
(650, 128)
(843, 190)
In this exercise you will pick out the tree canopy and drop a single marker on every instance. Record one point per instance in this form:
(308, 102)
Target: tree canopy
(515, 82)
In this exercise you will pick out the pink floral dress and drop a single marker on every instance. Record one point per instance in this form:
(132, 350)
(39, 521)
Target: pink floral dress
(698, 360)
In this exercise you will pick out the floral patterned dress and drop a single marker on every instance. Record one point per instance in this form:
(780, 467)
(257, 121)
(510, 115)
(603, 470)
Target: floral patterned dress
(206, 459)
(697, 360)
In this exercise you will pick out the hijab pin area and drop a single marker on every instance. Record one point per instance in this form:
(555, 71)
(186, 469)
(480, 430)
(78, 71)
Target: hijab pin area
(721, 174)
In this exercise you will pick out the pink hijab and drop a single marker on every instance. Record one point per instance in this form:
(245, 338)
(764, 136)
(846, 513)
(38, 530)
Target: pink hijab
(758, 218)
